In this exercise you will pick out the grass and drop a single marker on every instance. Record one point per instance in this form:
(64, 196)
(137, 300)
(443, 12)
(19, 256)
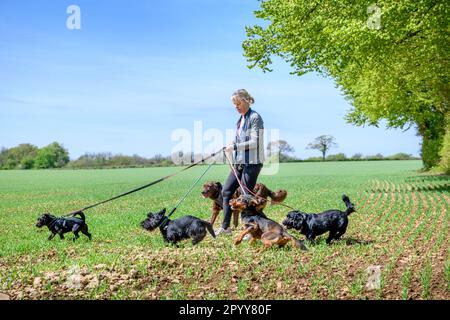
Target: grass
(395, 222)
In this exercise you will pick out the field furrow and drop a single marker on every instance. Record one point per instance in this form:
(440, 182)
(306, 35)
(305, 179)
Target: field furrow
(401, 226)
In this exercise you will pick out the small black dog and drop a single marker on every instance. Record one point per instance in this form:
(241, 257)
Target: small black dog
(63, 225)
(313, 225)
(179, 229)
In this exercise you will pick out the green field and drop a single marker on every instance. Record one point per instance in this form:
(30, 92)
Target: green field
(401, 225)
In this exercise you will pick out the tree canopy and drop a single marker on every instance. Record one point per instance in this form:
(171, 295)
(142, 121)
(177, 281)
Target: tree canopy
(390, 59)
(52, 156)
(21, 156)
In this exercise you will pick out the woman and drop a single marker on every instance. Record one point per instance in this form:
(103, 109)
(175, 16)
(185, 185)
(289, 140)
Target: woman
(246, 153)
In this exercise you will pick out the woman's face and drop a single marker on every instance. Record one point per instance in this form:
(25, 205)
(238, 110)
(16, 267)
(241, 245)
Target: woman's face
(241, 105)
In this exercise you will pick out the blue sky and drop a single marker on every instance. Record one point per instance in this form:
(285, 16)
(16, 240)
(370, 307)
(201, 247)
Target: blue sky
(138, 70)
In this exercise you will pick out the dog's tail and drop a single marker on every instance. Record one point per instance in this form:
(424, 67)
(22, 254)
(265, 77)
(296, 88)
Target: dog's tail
(210, 229)
(350, 206)
(81, 214)
(278, 196)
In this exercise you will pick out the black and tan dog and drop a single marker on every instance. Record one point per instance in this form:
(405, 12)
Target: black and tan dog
(63, 225)
(179, 229)
(213, 191)
(259, 226)
(262, 191)
(247, 206)
(312, 225)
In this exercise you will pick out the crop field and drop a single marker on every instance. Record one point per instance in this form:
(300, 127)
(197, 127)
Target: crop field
(400, 230)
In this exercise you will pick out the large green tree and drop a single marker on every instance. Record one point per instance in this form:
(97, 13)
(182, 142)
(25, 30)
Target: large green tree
(390, 58)
(52, 156)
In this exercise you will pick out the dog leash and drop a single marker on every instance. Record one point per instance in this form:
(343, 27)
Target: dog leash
(145, 186)
(235, 174)
(243, 187)
(184, 197)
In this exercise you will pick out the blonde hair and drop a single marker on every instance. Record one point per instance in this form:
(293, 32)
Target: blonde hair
(243, 95)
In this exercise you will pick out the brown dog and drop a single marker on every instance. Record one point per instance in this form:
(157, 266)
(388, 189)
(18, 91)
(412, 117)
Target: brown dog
(258, 226)
(213, 191)
(262, 191)
(248, 205)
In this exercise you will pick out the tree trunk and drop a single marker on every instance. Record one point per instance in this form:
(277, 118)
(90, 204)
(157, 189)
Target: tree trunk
(432, 133)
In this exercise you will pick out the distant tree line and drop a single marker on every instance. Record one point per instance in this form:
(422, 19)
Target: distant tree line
(357, 157)
(54, 155)
(323, 144)
(28, 156)
(108, 160)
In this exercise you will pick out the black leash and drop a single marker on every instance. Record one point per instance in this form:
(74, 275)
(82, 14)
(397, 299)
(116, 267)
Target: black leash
(166, 219)
(146, 186)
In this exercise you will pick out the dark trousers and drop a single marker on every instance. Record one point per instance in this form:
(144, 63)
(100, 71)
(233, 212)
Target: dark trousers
(248, 174)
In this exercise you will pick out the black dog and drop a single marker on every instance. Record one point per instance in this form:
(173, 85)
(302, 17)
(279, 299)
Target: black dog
(313, 225)
(179, 229)
(63, 225)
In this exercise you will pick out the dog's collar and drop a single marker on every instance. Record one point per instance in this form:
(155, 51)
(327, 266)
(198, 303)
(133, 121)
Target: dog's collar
(163, 224)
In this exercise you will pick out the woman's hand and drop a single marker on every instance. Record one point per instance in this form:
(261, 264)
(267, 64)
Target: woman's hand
(229, 148)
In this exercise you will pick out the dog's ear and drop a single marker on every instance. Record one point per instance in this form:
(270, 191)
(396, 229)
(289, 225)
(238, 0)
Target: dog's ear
(302, 218)
(218, 184)
(295, 216)
(150, 214)
(163, 211)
